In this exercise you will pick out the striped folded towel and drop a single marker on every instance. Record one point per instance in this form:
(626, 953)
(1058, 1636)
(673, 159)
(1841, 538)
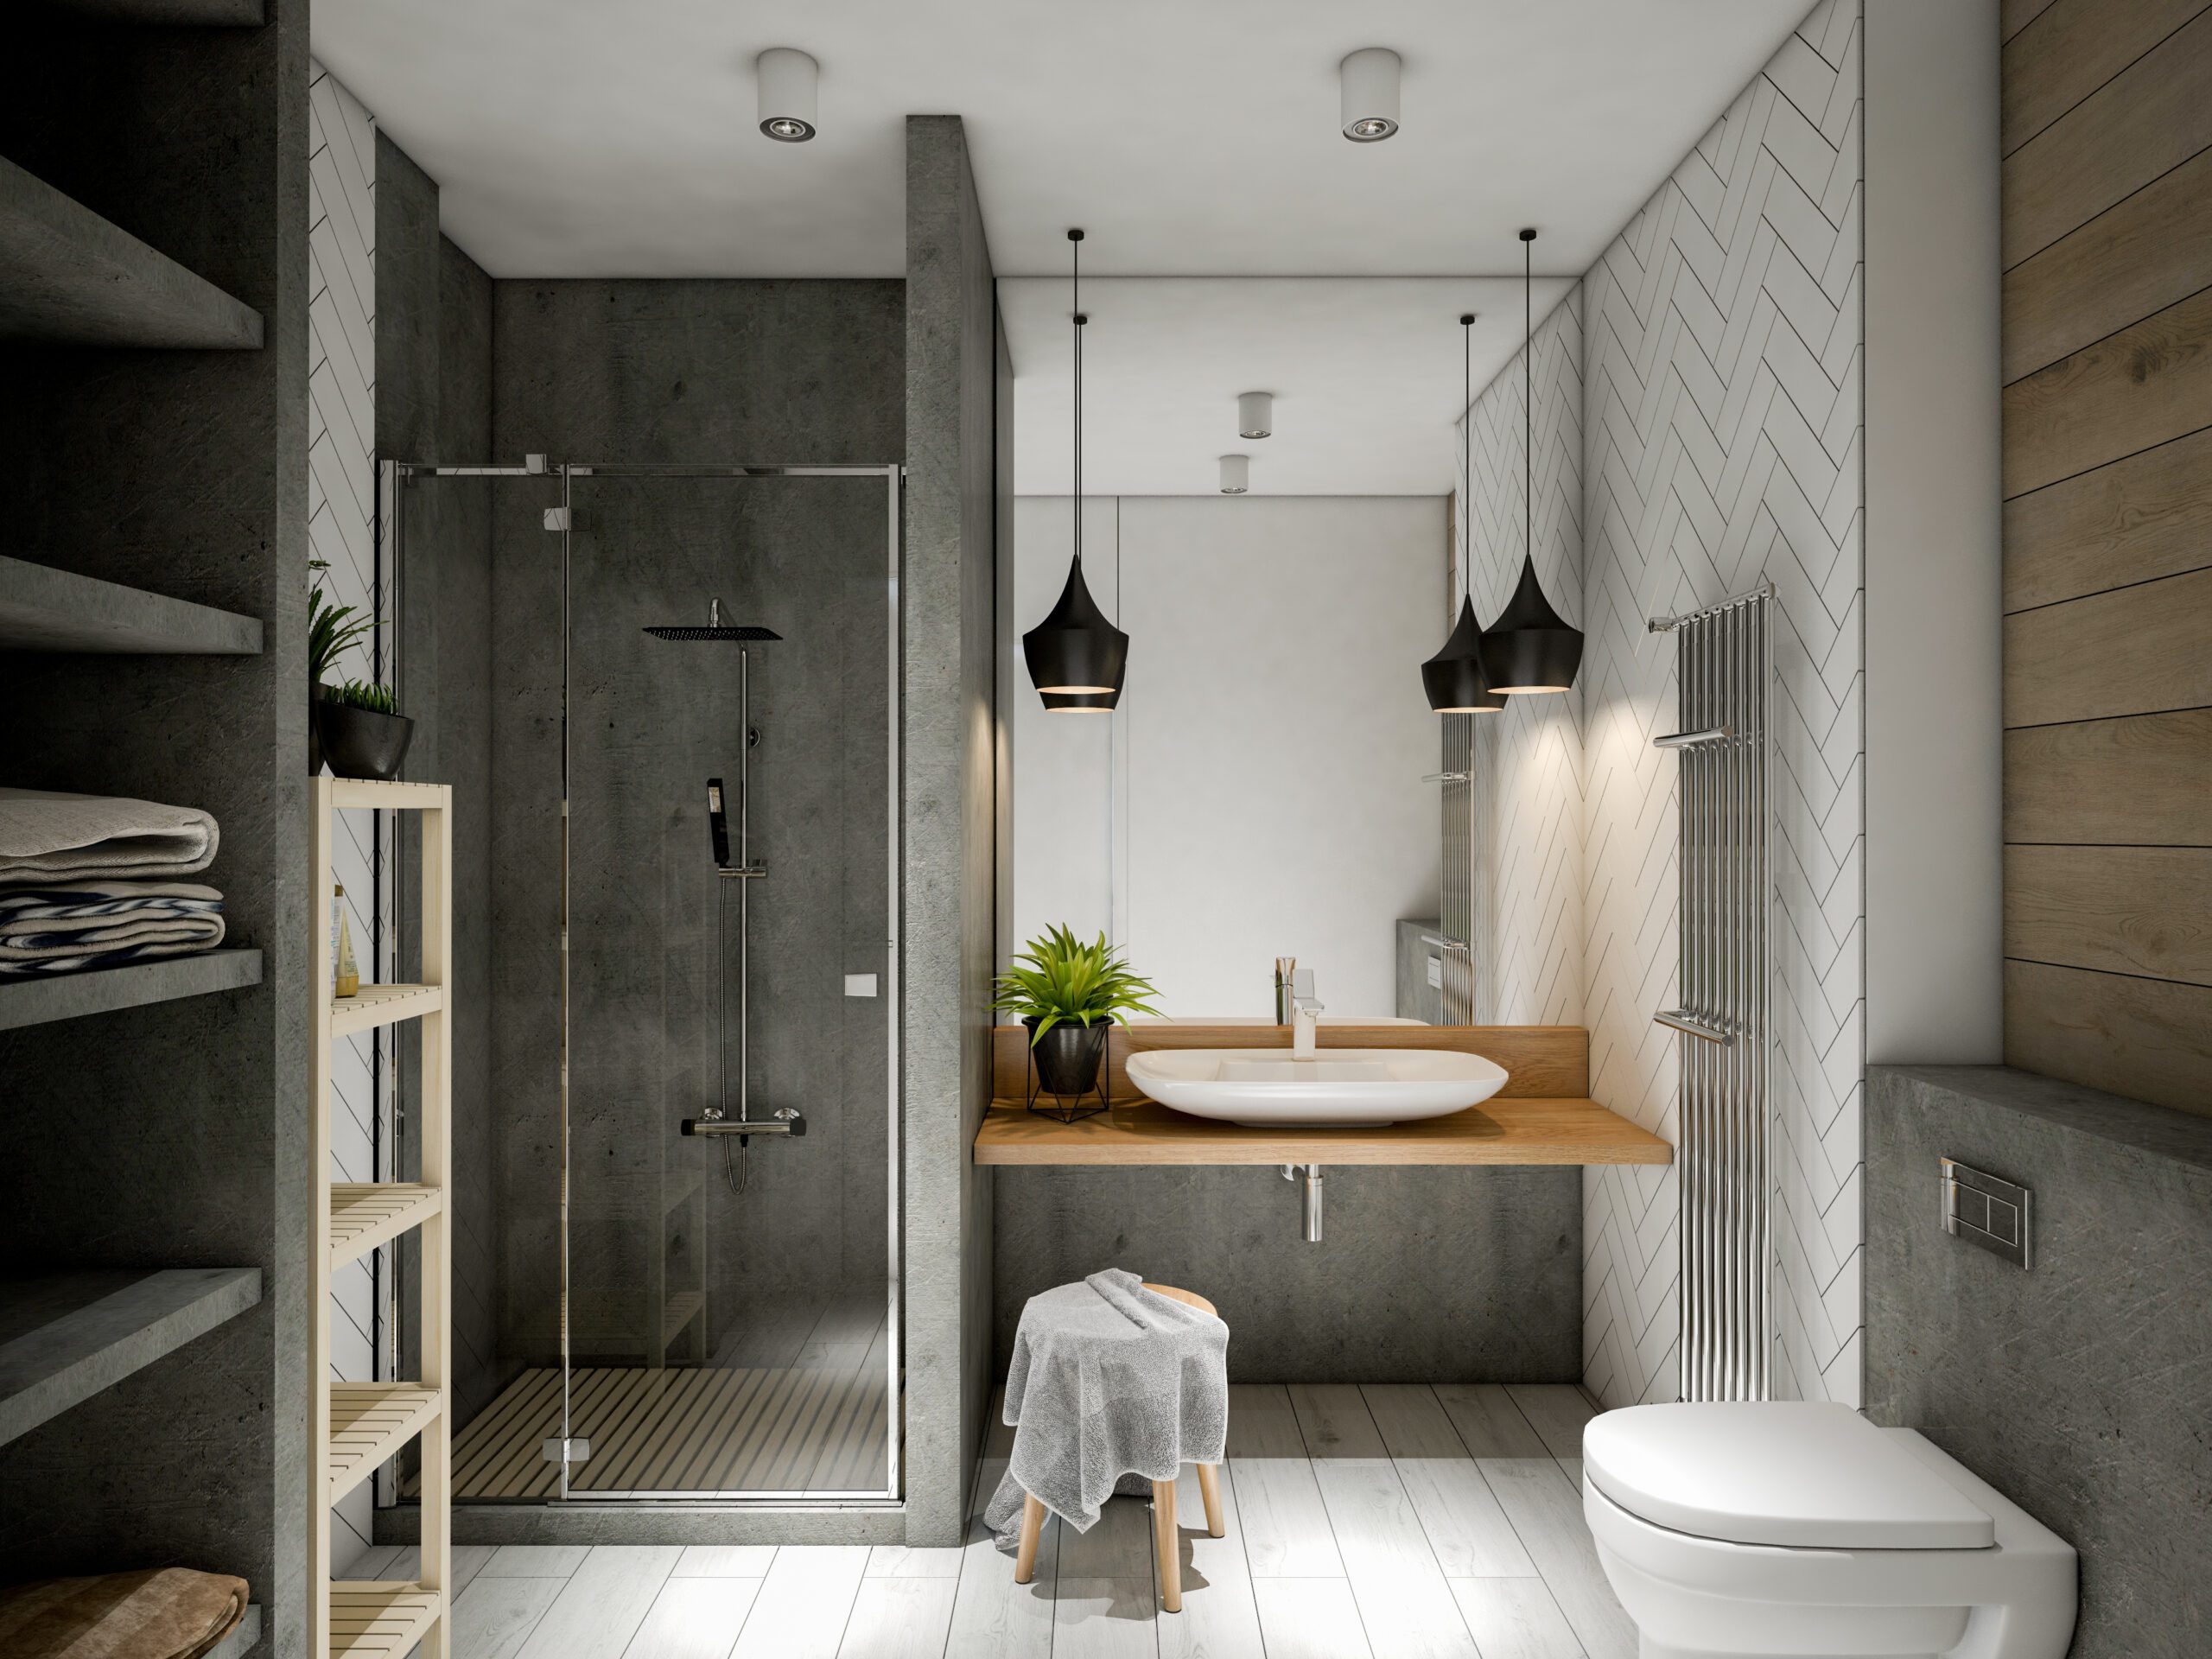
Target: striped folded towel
(64, 929)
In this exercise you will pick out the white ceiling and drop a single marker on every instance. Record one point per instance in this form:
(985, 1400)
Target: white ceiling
(1366, 373)
(1190, 137)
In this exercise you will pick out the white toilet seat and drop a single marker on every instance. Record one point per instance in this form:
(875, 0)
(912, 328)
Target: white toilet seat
(1691, 1595)
(1778, 1472)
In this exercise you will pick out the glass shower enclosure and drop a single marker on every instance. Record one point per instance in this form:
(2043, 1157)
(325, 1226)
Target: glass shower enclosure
(693, 917)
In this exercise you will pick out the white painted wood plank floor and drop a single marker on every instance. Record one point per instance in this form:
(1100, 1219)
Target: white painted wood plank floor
(1392, 1522)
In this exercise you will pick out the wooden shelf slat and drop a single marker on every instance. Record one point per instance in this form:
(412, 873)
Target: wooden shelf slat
(1501, 1130)
(43, 608)
(382, 1005)
(390, 797)
(67, 274)
(379, 1618)
(66, 1336)
(103, 990)
(364, 1214)
(369, 1422)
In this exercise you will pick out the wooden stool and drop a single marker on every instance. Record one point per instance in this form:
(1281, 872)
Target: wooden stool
(1165, 1544)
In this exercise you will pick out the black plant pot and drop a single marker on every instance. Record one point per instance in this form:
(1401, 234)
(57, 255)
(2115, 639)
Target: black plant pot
(316, 694)
(1067, 1062)
(362, 743)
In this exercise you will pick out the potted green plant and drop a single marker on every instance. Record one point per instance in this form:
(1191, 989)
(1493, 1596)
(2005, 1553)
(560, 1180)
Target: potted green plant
(1070, 994)
(331, 628)
(364, 733)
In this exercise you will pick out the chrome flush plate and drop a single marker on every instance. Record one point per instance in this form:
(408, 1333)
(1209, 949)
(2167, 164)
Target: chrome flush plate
(1985, 1211)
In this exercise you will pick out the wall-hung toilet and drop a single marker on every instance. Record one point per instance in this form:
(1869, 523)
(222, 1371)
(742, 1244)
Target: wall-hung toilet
(1776, 1528)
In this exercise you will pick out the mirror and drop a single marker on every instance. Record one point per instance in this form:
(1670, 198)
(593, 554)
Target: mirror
(1267, 785)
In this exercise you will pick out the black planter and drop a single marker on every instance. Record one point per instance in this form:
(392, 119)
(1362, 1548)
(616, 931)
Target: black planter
(362, 743)
(316, 694)
(1065, 1067)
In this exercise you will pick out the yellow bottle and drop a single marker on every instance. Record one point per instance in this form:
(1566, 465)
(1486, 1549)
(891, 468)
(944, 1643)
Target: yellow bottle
(348, 973)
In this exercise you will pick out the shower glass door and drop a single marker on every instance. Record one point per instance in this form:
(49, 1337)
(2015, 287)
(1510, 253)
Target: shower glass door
(731, 1313)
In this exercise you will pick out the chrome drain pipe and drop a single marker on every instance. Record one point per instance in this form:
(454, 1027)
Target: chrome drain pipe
(1309, 1198)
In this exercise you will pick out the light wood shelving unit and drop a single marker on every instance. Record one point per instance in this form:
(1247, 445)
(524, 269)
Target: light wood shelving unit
(357, 1427)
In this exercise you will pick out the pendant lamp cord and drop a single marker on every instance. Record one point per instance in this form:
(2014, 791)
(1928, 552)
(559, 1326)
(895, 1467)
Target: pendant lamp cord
(1075, 252)
(1466, 455)
(1528, 398)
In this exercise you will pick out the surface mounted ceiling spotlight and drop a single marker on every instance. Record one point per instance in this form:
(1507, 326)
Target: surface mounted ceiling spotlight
(1236, 475)
(1256, 414)
(1075, 656)
(1453, 680)
(788, 79)
(1367, 84)
(1530, 647)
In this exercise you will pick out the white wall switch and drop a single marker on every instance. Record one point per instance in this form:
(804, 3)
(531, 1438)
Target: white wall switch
(859, 984)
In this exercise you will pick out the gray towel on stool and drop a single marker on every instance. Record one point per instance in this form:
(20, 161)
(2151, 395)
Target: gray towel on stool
(1109, 1379)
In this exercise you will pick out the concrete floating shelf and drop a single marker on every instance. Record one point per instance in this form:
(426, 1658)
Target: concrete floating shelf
(66, 1336)
(45, 609)
(66, 996)
(240, 1642)
(68, 275)
(180, 14)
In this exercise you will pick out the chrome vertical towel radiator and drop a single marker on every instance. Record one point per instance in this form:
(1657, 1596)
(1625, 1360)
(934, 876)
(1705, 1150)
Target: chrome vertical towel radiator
(1724, 662)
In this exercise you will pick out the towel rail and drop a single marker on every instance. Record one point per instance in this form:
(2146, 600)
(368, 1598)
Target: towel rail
(1724, 673)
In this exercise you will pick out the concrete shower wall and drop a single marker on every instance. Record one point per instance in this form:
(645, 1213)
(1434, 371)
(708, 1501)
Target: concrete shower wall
(723, 372)
(654, 932)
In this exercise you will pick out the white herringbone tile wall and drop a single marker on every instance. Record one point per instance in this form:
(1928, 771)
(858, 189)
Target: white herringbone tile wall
(1722, 416)
(341, 532)
(1525, 840)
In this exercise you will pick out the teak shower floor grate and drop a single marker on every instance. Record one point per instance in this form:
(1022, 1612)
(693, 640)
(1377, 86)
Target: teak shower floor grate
(679, 1433)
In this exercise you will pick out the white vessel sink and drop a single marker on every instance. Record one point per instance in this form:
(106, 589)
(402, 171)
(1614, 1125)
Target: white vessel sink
(1335, 1089)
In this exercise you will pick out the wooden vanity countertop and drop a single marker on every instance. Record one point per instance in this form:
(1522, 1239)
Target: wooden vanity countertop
(1540, 1116)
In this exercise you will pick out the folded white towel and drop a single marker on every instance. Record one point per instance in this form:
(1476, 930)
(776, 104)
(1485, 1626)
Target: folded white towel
(47, 839)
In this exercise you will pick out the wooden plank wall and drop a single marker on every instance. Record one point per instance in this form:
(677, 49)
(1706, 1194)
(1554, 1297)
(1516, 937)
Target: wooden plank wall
(2107, 350)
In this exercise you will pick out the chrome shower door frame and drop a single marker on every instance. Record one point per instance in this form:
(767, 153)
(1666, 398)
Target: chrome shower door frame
(892, 474)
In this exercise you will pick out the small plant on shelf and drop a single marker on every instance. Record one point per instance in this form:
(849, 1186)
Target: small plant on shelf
(1070, 994)
(363, 694)
(331, 629)
(364, 733)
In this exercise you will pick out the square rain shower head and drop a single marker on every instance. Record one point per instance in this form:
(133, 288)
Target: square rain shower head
(701, 631)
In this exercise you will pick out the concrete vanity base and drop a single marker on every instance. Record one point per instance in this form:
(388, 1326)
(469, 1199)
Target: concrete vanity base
(1424, 1274)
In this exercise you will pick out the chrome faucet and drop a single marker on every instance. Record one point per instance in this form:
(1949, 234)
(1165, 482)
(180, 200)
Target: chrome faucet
(1304, 1014)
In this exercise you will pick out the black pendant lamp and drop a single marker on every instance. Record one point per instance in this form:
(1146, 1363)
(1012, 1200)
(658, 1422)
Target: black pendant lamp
(1530, 647)
(1076, 655)
(1454, 677)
